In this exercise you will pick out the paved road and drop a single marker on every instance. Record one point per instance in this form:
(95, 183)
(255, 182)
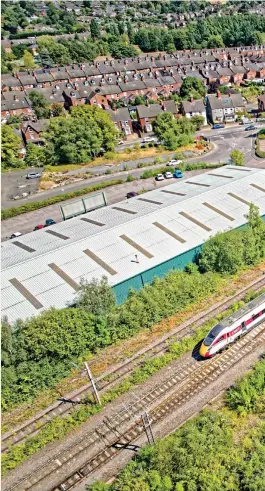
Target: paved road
(225, 139)
(25, 223)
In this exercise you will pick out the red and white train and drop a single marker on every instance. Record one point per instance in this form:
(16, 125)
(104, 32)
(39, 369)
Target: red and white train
(234, 326)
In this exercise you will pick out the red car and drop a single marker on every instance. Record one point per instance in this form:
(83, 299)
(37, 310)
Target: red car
(39, 227)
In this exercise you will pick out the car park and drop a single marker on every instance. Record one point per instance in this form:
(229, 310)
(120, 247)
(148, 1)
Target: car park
(132, 194)
(33, 175)
(168, 175)
(177, 173)
(49, 221)
(218, 126)
(251, 127)
(159, 177)
(174, 162)
(15, 235)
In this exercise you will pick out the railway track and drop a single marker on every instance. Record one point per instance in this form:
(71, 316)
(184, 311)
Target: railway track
(98, 447)
(107, 380)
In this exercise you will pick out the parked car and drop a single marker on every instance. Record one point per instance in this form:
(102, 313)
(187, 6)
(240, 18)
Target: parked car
(132, 194)
(39, 227)
(159, 177)
(168, 175)
(218, 126)
(174, 162)
(251, 127)
(148, 139)
(49, 221)
(177, 173)
(15, 235)
(121, 142)
(33, 175)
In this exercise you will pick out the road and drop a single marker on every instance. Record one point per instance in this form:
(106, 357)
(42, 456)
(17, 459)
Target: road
(25, 223)
(225, 140)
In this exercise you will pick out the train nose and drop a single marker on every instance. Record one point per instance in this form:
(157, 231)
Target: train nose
(203, 350)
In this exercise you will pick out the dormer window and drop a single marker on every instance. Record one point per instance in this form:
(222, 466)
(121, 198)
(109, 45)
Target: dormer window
(72, 94)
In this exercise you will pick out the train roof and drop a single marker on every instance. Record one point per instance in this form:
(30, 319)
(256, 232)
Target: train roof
(242, 311)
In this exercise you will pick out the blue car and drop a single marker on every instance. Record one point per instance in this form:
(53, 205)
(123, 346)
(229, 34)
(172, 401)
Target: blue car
(49, 221)
(177, 173)
(218, 126)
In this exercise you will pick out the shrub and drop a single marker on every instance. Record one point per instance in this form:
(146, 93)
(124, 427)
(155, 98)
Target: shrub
(130, 178)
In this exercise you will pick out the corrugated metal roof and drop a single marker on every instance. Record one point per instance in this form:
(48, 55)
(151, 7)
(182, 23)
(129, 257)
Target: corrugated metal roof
(155, 232)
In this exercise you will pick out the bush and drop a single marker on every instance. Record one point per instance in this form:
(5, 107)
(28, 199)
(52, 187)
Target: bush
(36, 205)
(109, 155)
(130, 178)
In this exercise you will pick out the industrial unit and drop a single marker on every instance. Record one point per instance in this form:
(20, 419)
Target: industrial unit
(130, 242)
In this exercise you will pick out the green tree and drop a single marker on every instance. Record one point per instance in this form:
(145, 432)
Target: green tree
(94, 29)
(237, 157)
(35, 156)
(197, 121)
(10, 148)
(257, 226)
(7, 342)
(15, 121)
(28, 60)
(80, 137)
(222, 253)
(39, 104)
(192, 86)
(172, 132)
(215, 41)
(96, 297)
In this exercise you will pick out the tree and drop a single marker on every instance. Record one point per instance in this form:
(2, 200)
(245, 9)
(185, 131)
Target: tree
(197, 121)
(96, 297)
(16, 121)
(257, 227)
(39, 104)
(192, 86)
(11, 144)
(19, 49)
(35, 156)
(57, 109)
(172, 132)
(237, 157)
(223, 253)
(81, 136)
(28, 60)
(215, 41)
(94, 29)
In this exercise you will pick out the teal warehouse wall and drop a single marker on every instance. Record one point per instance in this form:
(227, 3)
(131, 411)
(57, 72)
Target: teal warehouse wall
(122, 289)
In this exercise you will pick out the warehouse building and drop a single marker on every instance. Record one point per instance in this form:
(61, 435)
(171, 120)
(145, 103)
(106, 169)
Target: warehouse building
(130, 242)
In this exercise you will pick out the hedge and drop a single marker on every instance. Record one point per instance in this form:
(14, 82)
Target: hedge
(27, 34)
(36, 205)
(185, 167)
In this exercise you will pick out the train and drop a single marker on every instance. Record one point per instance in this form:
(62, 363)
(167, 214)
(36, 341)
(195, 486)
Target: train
(233, 327)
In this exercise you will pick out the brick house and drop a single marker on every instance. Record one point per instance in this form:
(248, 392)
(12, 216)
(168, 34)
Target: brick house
(238, 73)
(10, 82)
(44, 78)
(27, 79)
(104, 95)
(31, 132)
(122, 120)
(147, 114)
(16, 107)
(53, 94)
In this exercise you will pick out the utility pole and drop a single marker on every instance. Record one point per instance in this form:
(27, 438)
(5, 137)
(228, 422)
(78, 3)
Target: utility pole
(90, 376)
(148, 428)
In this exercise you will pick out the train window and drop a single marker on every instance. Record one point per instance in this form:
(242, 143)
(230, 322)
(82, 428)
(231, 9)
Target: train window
(221, 339)
(255, 316)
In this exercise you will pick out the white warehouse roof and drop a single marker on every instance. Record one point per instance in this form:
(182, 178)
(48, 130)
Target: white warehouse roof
(43, 268)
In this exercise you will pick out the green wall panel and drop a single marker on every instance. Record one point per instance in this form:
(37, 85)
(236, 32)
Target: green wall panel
(122, 289)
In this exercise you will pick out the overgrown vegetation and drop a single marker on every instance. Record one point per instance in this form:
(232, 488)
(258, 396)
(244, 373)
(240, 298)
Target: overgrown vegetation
(58, 427)
(217, 451)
